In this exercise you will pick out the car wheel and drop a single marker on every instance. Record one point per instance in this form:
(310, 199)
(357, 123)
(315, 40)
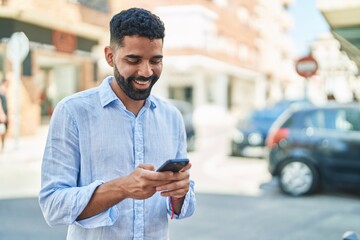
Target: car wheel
(298, 177)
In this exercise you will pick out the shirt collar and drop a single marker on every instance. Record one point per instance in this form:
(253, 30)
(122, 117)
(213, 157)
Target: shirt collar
(150, 103)
(107, 95)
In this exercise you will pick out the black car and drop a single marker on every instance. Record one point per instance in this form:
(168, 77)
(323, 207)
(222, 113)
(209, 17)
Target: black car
(248, 137)
(186, 110)
(315, 147)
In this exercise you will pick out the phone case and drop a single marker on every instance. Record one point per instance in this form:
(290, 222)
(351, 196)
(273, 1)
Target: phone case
(174, 165)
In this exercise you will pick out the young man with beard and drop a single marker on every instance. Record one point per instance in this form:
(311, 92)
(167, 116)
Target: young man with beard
(104, 144)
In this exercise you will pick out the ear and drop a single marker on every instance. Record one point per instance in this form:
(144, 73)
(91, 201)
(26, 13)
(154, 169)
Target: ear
(109, 55)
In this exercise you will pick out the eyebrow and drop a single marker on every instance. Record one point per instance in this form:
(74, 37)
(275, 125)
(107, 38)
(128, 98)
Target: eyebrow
(139, 57)
(158, 56)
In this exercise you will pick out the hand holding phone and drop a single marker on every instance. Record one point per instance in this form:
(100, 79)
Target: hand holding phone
(174, 165)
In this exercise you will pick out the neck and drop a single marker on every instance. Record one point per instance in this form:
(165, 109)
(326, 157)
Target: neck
(130, 104)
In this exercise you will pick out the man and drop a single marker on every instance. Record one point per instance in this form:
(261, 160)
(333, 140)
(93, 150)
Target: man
(104, 144)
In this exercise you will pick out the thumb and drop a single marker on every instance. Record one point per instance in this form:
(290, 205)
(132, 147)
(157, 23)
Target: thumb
(187, 167)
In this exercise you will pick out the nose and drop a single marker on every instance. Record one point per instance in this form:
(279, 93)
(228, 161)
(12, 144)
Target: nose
(146, 69)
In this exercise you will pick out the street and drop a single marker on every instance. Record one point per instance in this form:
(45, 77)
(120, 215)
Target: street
(236, 199)
(271, 216)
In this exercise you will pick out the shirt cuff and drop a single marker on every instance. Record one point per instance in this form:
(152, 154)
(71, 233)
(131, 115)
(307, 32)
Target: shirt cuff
(190, 196)
(103, 219)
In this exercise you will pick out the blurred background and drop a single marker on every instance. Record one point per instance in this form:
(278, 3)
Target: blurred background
(231, 66)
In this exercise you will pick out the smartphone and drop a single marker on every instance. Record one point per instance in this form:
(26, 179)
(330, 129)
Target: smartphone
(174, 165)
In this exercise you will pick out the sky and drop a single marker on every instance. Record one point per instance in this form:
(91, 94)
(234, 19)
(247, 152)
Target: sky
(308, 24)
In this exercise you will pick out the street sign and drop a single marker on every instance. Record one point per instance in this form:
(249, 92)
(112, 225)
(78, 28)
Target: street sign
(306, 66)
(18, 47)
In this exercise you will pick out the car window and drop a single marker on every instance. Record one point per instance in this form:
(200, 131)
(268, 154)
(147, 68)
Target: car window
(289, 123)
(295, 121)
(353, 117)
(341, 122)
(306, 119)
(314, 119)
(343, 119)
(348, 119)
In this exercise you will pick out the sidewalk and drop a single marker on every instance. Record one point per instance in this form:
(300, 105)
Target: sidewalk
(20, 165)
(214, 171)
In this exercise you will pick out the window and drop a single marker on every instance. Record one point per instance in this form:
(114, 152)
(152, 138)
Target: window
(315, 119)
(99, 5)
(353, 117)
(345, 119)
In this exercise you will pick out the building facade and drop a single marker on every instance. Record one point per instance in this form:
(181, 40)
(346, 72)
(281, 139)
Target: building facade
(62, 36)
(336, 76)
(276, 58)
(344, 21)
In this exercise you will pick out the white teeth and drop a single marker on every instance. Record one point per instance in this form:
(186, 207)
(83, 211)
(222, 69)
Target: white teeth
(141, 83)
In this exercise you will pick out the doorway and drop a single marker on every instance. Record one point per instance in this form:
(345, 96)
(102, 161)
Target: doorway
(56, 79)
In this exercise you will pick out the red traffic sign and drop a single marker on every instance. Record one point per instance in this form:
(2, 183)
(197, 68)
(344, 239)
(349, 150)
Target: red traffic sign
(306, 66)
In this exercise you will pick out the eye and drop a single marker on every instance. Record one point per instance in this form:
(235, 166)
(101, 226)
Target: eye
(133, 60)
(156, 60)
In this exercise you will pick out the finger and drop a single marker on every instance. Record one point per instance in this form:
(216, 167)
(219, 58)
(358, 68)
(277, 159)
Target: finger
(180, 176)
(174, 185)
(157, 177)
(156, 184)
(179, 193)
(146, 166)
(174, 177)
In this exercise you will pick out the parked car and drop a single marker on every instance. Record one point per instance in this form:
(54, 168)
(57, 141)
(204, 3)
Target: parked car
(186, 110)
(248, 138)
(315, 147)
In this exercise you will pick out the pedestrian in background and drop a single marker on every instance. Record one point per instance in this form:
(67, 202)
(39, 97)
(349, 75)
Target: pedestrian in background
(104, 144)
(3, 112)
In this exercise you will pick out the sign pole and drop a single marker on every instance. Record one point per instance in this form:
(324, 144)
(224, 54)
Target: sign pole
(16, 66)
(17, 49)
(306, 88)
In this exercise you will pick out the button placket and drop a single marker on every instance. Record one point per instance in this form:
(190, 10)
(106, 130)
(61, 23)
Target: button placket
(139, 159)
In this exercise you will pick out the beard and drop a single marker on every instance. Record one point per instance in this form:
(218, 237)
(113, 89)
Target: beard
(129, 89)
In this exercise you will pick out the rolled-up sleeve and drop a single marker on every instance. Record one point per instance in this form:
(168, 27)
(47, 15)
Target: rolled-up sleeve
(106, 218)
(61, 199)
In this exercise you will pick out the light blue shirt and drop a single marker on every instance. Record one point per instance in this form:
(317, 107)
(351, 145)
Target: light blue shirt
(93, 139)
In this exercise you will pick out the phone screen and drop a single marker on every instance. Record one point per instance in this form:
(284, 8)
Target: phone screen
(174, 165)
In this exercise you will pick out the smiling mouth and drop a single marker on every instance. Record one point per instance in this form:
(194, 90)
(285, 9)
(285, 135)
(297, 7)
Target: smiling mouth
(142, 82)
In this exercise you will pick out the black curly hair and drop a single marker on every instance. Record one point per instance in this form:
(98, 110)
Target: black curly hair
(135, 22)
